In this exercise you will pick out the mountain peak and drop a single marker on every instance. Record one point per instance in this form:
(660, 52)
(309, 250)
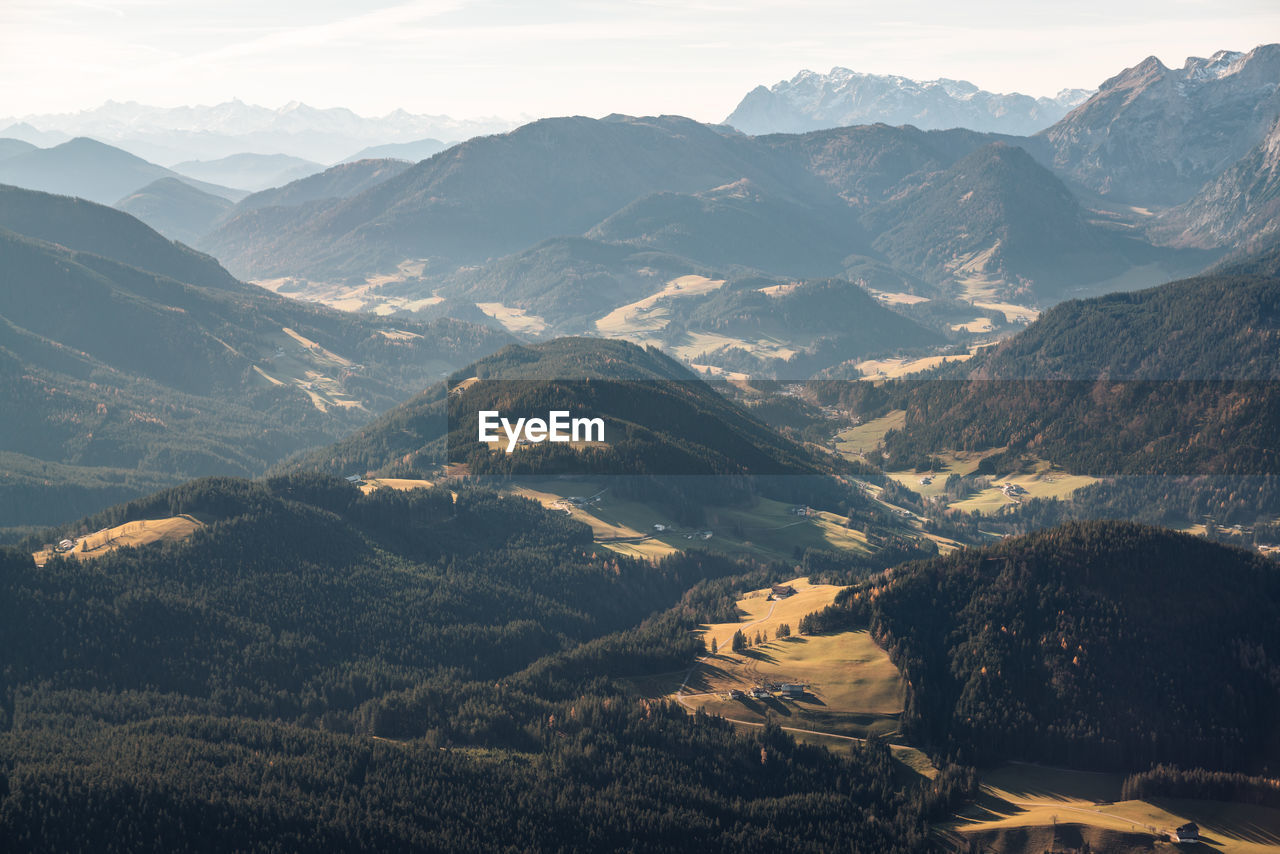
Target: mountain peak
(842, 97)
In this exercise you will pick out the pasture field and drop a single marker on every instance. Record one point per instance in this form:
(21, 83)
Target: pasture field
(852, 689)
(645, 315)
(896, 298)
(1044, 482)
(779, 290)
(138, 533)
(888, 369)
(766, 530)
(977, 326)
(365, 296)
(1019, 795)
(516, 320)
(400, 483)
(867, 436)
(954, 462)
(1010, 311)
(697, 343)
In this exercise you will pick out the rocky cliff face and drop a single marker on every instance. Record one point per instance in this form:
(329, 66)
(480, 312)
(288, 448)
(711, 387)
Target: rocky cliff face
(1154, 135)
(1240, 207)
(811, 101)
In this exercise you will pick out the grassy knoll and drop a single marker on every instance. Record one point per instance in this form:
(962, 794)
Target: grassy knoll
(136, 533)
(1019, 795)
(766, 530)
(852, 689)
(868, 435)
(885, 369)
(401, 483)
(646, 315)
(1043, 482)
(516, 320)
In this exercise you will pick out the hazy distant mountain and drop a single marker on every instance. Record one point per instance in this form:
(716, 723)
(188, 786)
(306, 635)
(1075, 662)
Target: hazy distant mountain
(29, 134)
(249, 171)
(738, 224)
(570, 281)
(789, 205)
(996, 214)
(107, 362)
(1240, 207)
(178, 211)
(414, 151)
(811, 101)
(83, 226)
(494, 195)
(171, 135)
(1154, 135)
(14, 147)
(92, 170)
(336, 182)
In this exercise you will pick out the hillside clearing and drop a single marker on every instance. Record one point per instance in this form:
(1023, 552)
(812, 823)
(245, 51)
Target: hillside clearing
(851, 687)
(141, 532)
(767, 530)
(399, 483)
(868, 435)
(645, 315)
(900, 367)
(1019, 795)
(516, 320)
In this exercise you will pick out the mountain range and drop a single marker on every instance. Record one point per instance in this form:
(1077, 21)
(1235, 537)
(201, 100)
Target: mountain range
(93, 170)
(170, 135)
(123, 351)
(812, 101)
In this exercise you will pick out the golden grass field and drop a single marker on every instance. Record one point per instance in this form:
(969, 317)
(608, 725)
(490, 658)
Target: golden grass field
(897, 298)
(766, 530)
(852, 687)
(1018, 795)
(976, 326)
(886, 369)
(141, 532)
(1044, 482)
(645, 315)
(868, 435)
(365, 296)
(400, 483)
(516, 320)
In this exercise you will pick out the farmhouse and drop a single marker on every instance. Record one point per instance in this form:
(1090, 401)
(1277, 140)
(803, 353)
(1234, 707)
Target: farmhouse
(355, 480)
(791, 690)
(1188, 832)
(782, 591)
(65, 545)
(735, 694)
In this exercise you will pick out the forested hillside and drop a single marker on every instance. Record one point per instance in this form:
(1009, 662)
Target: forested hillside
(254, 682)
(109, 364)
(1099, 645)
(1174, 380)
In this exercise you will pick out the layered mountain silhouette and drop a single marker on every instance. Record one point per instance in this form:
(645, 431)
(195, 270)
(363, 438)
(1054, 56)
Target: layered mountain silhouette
(121, 350)
(249, 171)
(92, 170)
(176, 209)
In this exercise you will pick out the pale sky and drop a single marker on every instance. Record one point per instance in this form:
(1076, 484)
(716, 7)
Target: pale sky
(470, 58)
